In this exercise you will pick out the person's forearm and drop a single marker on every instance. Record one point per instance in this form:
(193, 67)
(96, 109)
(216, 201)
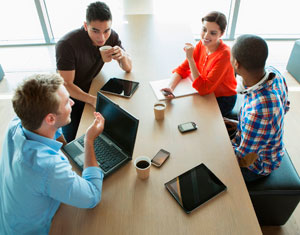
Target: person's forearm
(90, 157)
(125, 63)
(174, 81)
(230, 120)
(77, 93)
(194, 69)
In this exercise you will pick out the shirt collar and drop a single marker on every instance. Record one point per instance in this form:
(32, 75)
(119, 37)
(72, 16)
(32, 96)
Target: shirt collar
(56, 145)
(266, 81)
(221, 45)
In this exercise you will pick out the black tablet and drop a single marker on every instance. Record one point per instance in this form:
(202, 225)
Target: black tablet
(195, 187)
(120, 87)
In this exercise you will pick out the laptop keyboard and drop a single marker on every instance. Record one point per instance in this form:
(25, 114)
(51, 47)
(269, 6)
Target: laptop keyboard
(107, 155)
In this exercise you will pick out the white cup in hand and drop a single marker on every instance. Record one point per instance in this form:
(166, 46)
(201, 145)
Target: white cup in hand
(105, 57)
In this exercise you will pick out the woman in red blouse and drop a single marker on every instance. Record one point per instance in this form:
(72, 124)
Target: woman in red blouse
(208, 64)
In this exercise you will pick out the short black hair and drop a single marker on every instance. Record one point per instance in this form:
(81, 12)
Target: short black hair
(250, 51)
(98, 11)
(217, 17)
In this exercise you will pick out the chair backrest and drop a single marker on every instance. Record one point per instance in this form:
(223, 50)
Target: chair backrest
(1, 73)
(293, 63)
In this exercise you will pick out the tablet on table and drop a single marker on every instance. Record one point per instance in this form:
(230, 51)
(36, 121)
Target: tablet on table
(120, 87)
(195, 187)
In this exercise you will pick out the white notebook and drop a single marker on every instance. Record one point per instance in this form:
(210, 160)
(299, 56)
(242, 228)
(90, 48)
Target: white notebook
(183, 88)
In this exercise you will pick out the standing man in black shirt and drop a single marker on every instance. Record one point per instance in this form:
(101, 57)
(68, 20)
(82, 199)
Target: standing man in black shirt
(78, 59)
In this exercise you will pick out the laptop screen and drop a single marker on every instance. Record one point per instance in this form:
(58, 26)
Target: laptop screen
(120, 126)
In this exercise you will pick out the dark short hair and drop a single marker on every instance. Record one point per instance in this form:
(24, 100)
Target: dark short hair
(250, 51)
(217, 17)
(35, 98)
(98, 11)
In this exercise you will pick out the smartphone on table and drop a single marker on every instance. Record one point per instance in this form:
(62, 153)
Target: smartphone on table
(160, 158)
(186, 127)
(166, 93)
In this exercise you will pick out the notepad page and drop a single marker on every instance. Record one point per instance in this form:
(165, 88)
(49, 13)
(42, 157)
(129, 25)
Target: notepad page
(183, 88)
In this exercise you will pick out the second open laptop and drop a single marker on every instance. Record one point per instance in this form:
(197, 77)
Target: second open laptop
(114, 147)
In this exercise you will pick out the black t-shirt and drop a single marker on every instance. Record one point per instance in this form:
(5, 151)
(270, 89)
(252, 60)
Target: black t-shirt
(75, 51)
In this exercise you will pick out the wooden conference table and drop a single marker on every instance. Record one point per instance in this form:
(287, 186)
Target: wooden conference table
(133, 206)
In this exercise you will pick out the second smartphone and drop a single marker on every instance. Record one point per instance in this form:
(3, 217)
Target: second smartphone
(160, 158)
(186, 127)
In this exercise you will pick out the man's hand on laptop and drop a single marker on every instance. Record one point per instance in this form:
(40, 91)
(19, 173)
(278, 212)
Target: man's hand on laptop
(96, 128)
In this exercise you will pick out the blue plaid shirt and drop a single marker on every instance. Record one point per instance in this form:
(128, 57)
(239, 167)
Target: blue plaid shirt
(260, 126)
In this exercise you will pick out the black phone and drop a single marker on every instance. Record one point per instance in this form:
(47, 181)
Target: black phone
(188, 126)
(160, 158)
(166, 93)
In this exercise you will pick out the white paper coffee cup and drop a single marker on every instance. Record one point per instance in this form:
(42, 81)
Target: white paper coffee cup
(142, 165)
(159, 110)
(105, 57)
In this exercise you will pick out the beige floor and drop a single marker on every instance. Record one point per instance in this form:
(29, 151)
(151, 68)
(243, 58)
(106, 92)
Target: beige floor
(22, 61)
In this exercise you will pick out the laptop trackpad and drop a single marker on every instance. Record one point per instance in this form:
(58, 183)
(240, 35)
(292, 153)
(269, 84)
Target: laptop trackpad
(80, 158)
(73, 150)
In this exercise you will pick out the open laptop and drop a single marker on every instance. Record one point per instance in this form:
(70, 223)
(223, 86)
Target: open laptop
(114, 147)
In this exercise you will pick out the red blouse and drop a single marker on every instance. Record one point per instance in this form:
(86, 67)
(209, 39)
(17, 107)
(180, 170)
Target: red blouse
(216, 71)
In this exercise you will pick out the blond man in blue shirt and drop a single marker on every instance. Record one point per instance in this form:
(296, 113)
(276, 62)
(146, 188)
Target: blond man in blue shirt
(35, 176)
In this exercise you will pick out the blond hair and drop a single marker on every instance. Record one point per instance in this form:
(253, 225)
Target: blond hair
(36, 97)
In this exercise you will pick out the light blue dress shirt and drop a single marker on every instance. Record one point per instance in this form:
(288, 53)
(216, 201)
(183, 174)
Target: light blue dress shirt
(35, 177)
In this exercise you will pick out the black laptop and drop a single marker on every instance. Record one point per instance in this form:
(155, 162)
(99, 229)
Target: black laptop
(114, 147)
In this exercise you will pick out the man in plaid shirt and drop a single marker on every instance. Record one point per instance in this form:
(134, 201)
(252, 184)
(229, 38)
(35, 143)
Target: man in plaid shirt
(259, 133)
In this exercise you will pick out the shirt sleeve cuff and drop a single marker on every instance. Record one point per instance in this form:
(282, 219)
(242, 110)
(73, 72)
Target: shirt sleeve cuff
(182, 73)
(197, 84)
(92, 173)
